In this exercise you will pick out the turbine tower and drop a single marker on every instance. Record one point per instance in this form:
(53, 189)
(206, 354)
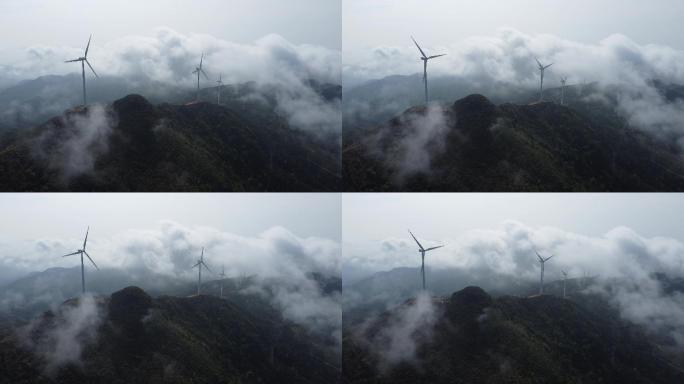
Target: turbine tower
(199, 264)
(425, 59)
(565, 277)
(563, 81)
(542, 68)
(542, 261)
(222, 275)
(199, 70)
(84, 61)
(422, 251)
(82, 252)
(218, 93)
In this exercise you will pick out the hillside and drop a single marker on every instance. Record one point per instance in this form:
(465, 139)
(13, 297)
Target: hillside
(475, 145)
(133, 338)
(470, 337)
(132, 145)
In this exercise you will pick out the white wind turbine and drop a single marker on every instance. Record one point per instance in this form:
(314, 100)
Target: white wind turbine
(222, 275)
(425, 59)
(542, 69)
(199, 70)
(422, 252)
(542, 261)
(563, 81)
(218, 89)
(84, 61)
(82, 252)
(199, 264)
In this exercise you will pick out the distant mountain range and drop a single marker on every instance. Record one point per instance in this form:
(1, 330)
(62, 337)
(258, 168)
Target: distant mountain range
(37, 292)
(470, 337)
(32, 102)
(133, 145)
(130, 337)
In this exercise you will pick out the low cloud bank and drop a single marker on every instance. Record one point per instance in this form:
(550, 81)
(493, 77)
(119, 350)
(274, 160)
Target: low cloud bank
(161, 65)
(628, 74)
(286, 269)
(632, 271)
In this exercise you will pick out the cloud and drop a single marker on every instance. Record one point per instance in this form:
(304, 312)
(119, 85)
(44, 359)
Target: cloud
(424, 138)
(159, 65)
(72, 142)
(284, 268)
(410, 326)
(60, 340)
(624, 70)
(628, 267)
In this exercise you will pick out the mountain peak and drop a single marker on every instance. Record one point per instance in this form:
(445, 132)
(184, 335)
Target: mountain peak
(133, 102)
(129, 305)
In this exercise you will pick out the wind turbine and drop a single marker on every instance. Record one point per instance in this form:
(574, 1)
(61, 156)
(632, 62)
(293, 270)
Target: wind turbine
(542, 68)
(565, 277)
(82, 252)
(563, 81)
(422, 251)
(222, 275)
(84, 61)
(220, 85)
(425, 59)
(199, 70)
(199, 264)
(542, 261)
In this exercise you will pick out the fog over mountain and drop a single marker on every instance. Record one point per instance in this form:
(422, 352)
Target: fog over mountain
(296, 274)
(627, 74)
(159, 66)
(639, 275)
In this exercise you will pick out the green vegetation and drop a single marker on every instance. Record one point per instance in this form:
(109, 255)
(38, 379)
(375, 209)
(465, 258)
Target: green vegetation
(197, 147)
(200, 339)
(543, 339)
(510, 147)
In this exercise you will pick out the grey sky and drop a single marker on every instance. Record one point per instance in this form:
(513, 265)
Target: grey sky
(69, 22)
(442, 22)
(33, 216)
(373, 217)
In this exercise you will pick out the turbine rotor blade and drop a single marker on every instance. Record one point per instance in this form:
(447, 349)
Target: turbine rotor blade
(91, 68)
(71, 254)
(538, 62)
(72, 61)
(205, 74)
(88, 46)
(417, 242)
(539, 256)
(431, 248)
(545, 260)
(548, 65)
(205, 266)
(201, 60)
(86, 238)
(420, 49)
(432, 57)
(91, 260)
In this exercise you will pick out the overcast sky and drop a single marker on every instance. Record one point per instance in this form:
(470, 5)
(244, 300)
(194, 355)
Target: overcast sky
(35, 216)
(442, 22)
(69, 22)
(373, 217)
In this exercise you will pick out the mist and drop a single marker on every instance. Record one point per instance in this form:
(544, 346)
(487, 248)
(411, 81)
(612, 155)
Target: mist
(159, 66)
(60, 340)
(503, 64)
(626, 268)
(281, 267)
